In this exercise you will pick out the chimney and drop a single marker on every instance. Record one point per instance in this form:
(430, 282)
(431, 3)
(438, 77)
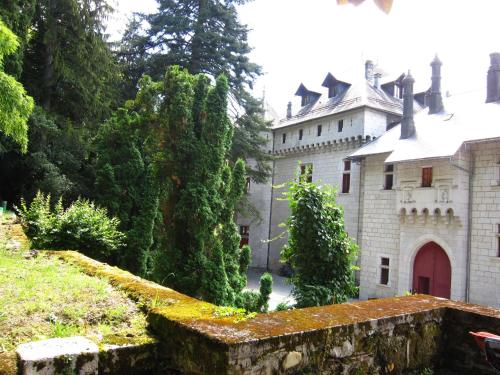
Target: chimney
(493, 80)
(435, 100)
(407, 124)
(369, 70)
(289, 110)
(376, 82)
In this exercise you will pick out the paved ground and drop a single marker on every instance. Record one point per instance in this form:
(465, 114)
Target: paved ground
(281, 290)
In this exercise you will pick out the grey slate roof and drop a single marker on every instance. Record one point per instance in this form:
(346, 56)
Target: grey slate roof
(357, 95)
(466, 118)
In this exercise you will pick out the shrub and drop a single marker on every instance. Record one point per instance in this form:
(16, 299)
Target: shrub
(319, 249)
(82, 226)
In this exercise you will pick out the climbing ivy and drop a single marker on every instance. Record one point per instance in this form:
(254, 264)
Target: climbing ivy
(319, 249)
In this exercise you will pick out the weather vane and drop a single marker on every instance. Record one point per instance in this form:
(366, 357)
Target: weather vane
(384, 5)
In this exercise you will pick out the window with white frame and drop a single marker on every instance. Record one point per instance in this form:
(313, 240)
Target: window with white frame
(384, 270)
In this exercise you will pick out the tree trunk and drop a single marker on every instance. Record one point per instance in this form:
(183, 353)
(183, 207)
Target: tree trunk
(196, 45)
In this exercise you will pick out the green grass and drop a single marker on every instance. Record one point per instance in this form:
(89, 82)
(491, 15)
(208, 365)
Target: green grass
(42, 297)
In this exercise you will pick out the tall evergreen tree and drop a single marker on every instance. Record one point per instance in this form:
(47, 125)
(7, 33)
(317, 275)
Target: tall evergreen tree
(202, 255)
(15, 105)
(203, 36)
(71, 73)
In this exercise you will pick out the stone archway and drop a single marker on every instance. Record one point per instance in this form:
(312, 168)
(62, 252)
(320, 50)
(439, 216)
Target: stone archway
(432, 271)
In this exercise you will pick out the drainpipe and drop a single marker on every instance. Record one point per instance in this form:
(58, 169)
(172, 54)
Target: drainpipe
(270, 208)
(469, 227)
(360, 212)
(470, 173)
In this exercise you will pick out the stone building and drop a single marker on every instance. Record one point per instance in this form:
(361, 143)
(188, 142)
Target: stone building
(331, 123)
(418, 176)
(437, 229)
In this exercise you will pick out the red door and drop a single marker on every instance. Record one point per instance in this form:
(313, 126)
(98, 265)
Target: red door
(432, 271)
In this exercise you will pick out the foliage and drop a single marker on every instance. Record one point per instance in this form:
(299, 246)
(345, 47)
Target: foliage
(204, 37)
(82, 226)
(66, 65)
(257, 301)
(125, 182)
(200, 252)
(15, 105)
(319, 249)
(283, 306)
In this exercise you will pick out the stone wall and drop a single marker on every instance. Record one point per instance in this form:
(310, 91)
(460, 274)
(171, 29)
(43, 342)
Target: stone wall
(396, 227)
(485, 262)
(402, 335)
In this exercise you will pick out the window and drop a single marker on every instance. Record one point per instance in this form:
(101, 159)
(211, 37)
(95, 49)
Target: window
(306, 172)
(340, 125)
(244, 234)
(388, 176)
(283, 138)
(346, 177)
(320, 129)
(247, 185)
(301, 134)
(332, 91)
(498, 171)
(426, 176)
(384, 271)
(498, 240)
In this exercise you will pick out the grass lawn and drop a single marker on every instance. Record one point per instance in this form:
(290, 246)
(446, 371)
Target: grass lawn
(42, 297)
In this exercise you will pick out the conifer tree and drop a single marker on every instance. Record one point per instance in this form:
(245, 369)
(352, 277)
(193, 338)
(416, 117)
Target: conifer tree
(15, 104)
(202, 256)
(203, 36)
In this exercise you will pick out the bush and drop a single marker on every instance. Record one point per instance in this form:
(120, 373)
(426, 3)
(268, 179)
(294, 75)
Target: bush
(319, 250)
(257, 301)
(82, 226)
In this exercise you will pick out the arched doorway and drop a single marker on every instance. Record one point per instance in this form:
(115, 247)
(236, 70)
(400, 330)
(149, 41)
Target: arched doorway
(432, 271)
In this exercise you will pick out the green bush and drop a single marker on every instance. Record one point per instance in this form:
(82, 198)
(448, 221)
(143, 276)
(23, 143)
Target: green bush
(319, 249)
(82, 226)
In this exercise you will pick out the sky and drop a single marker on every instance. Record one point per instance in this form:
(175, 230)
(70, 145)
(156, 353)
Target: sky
(300, 41)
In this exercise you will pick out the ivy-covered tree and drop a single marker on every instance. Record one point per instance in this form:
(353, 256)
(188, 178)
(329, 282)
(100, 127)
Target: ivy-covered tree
(15, 105)
(319, 249)
(203, 36)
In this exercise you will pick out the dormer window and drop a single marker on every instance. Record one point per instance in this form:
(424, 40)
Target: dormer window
(332, 91)
(307, 96)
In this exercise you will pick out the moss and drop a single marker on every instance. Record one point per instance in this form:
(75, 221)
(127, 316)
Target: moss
(8, 363)
(82, 360)
(62, 365)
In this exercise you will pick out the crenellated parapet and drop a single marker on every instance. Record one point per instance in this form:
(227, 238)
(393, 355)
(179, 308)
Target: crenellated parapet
(347, 143)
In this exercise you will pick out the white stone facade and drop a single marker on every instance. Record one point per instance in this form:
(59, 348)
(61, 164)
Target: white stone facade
(459, 211)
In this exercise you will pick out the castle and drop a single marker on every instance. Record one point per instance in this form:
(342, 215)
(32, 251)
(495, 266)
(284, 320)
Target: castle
(418, 175)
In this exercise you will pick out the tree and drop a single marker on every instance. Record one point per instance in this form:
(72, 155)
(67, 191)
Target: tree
(15, 105)
(67, 66)
(125, 181)
(203, 36)
(319, 249)
(201, 255)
